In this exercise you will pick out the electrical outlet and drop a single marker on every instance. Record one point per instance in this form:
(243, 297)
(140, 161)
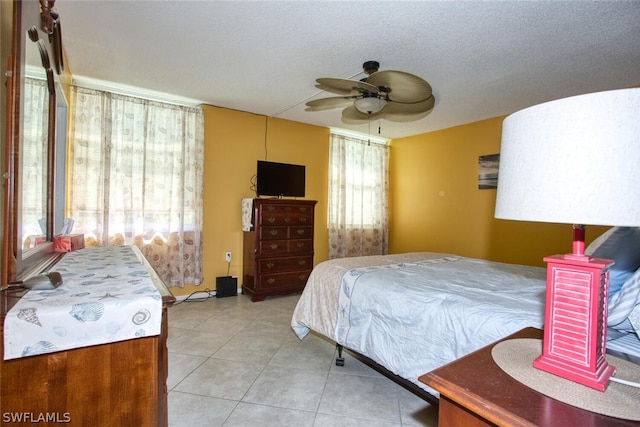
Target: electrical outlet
(227, 256)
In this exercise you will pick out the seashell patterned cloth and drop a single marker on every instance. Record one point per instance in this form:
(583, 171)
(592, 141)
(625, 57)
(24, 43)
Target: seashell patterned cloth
(247, 212)
(107, 295)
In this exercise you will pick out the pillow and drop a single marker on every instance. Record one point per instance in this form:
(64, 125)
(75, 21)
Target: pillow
(599, 241)
(624, 307)
(621, 244)
(634, 318)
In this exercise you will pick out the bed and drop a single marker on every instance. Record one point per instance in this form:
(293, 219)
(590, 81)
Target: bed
(411, 313)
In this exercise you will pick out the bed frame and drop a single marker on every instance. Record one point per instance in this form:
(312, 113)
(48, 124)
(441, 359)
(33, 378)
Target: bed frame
(420, 392)
(413, 388)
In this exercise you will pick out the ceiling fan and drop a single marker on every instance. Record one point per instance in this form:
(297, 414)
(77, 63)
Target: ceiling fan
(392, 95)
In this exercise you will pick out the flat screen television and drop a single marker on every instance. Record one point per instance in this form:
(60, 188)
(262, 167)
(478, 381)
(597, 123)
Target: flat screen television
(280, 179)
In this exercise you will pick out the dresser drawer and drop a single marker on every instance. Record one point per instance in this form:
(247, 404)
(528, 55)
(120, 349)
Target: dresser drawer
(273, 247)
(281, 233)
(300, 246)
(295, 280)
(285, 264)
(294, 246)
(301, 232)
(285, 208)
(273, 233)
(285, 219)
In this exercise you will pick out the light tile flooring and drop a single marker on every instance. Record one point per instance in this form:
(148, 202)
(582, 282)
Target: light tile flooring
(237, 363)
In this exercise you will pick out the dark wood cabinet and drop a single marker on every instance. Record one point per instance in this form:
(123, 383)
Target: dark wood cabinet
(278, 250)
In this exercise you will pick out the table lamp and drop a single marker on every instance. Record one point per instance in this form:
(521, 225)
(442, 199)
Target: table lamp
(575, 161)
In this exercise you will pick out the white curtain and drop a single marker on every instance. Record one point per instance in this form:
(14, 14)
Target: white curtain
(358, 197)
(33, 153)
(136, 178)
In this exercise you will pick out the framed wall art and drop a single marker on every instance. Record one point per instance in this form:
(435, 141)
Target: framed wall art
(488, 171)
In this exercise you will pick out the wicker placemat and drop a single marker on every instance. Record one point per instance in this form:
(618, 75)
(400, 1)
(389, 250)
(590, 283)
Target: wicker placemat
(516, 356)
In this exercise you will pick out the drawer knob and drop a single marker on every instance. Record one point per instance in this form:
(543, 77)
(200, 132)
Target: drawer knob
(300, 231)
(287, 220)
(303, 220)
(273, 232)
(302, 262)
(273, 246)
(271, 219)
(271, 208)
(302, 277)
(271, 280)
(270, 265)
(300, 245)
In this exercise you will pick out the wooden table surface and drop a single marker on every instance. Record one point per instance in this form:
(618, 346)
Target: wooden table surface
(476, 385)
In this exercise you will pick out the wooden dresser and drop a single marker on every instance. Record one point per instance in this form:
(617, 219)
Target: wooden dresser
(278, 250)
(113, 384)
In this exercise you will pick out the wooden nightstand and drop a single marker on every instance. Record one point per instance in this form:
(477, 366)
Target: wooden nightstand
(474, 391)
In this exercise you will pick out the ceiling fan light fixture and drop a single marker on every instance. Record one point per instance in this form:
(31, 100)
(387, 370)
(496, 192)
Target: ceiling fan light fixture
(389, 94)
(370, 104)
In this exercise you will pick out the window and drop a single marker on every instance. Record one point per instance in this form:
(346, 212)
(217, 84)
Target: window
(136, 178)
(358, 197)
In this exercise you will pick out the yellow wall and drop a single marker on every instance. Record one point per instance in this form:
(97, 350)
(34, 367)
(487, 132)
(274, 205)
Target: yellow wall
(234, 141)
(435, 203)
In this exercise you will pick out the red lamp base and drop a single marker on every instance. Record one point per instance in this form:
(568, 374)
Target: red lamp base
(598, 379)
(574, 344)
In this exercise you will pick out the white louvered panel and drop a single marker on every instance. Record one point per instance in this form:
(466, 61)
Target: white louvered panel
(571, 314)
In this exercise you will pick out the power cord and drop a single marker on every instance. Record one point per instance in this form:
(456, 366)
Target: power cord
(208, 292)
(190, 298)
(625, 382)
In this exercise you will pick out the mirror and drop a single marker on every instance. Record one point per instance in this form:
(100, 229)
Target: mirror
(60, 167)
(35, 142)
(35, 163)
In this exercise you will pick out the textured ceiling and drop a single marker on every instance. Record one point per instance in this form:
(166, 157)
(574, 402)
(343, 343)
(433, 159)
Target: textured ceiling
(483, 58)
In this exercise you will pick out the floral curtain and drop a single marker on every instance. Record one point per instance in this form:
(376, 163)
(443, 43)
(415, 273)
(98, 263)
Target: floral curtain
(34, 160)
(136, 179)
(358, 194)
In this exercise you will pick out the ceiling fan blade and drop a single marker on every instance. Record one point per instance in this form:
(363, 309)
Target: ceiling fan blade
(340, 92)
(410, 107)
(347, 85)
(405, 87)
(400, 112)
(329, 103)
(351, 114)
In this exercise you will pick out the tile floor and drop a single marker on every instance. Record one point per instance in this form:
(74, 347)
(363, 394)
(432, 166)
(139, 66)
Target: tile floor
(237, 363)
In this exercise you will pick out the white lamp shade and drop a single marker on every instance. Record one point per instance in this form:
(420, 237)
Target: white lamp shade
(575, 160)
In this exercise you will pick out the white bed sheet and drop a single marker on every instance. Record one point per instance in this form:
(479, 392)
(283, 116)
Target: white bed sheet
(414, 312)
